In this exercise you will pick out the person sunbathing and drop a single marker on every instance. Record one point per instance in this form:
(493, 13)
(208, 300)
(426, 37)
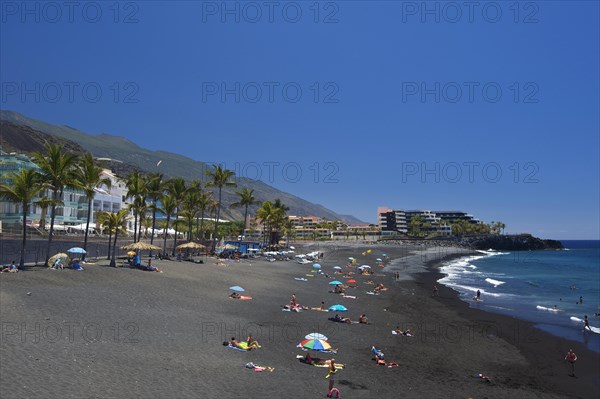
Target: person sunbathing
(408, 332)
(339, 319)
(363, 319)
(12, 268)
(234, 343)
(252, 343)
(235, 295)
(379, 287)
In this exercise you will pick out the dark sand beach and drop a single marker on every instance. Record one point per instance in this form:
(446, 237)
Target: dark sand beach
(120, 333)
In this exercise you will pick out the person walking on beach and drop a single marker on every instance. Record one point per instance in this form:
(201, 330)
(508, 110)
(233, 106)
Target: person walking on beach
(586, 323)
(435, 290)
(571, 357)
(478, 297)
(331, 375)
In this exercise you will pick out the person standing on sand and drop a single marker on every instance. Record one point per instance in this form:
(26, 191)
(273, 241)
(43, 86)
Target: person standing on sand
(331, 375)
(435, 290)
(571, 357)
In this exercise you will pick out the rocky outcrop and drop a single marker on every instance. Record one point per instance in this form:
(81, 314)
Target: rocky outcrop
(521, 242)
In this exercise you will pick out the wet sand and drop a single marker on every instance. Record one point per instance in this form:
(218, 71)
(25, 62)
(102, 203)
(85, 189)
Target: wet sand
(114, 333)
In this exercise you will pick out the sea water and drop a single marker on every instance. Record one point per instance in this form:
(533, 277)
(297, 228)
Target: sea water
(528, 284)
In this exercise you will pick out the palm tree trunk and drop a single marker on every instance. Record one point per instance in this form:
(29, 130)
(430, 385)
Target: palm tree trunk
(52, 216)
(202, 225)
(214, 244)
(245, 220)
(109, 244)
(22, 261)
(175, 242)
(135, 225)
(165, 237)
(87, 225)
(153, 227)
(113, 261)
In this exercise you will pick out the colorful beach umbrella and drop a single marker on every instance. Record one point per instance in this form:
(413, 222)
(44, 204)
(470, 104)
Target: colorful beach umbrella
(351, 281)
(77, 250)
(237, 288)
(335, 282)
(338, 308)
(317, 266)
(315, 344)
(337, 268)
(316, 335)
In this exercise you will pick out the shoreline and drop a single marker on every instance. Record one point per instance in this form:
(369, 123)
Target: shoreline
(535, 344)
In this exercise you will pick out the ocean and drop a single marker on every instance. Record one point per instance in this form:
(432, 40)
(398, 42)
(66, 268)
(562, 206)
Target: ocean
(528, 284)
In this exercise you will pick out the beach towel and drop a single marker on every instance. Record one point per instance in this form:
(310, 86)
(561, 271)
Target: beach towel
(309, 275)
(372, 293)
(245, 298)
(259, 369)
(405, 335)
(349, 297)
(300, 279)
(77, 267)
(236, 348)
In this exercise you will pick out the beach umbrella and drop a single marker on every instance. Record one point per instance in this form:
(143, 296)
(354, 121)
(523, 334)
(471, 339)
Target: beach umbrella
(315, 344)
(131, 253)
(64, 258)
(351, 258)
(316, 335)
(351, 281)
(141, 246)
(237, 288)
(338, 308)
(337, 268)
(335, 282)
(379, 260)
(365, 267)
(364, 254)
(77, 250)
(191, 245)
(317, 266)
(228, 246)
(384, 255)
(292, 247)
(369, 251)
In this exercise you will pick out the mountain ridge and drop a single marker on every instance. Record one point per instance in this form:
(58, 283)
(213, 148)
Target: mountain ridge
(128, 156)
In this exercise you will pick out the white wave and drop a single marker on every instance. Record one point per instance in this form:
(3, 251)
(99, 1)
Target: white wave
(474, 290)
(548, 309)
(495, 283)
(578, 320)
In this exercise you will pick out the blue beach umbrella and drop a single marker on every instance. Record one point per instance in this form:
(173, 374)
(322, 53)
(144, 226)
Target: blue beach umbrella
(338, 308)
(316, 335)
(76, 250)
(237, 288)
(335, 282)
(317, 266)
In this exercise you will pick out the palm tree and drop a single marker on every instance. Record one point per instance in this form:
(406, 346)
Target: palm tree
(154, 190)
(117, 222)
(168, 208)
(56, 169)
(44, 203)
(23, 188)
(102, 219)
(204, 200)
(219, 178)
(89, 176)
(177, 188)
(135, 190)
(190, 209)
(265, 214)
(246, 199)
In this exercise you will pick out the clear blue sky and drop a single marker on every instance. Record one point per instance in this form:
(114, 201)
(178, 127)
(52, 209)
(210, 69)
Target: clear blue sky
(376, 125)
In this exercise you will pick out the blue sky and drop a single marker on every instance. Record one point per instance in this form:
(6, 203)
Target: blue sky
(492, 110)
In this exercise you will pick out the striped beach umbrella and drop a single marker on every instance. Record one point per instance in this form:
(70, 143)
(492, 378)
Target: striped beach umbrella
(315, 344)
